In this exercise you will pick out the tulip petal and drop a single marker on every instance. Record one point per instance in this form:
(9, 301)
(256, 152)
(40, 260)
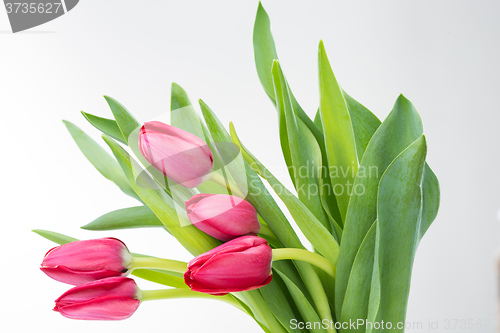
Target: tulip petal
(223, 216)
(241, 264)
(112, 298)
(87, 260)
(69, 276)
(224, 291)
(181, 156)
(237, 270)
(101, 308)
(114, 286)
(236, 245)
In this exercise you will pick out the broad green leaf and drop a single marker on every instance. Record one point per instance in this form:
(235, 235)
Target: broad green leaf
(100, 159)
(401, 127)
(265, 54)
(358, 288)
(126, 122)
(398, 230)
(364, 123)
(304, 150)
(127, 218)
(314, 231)
(107, 126)
(193, 240)
(264, 50)
(305, 308)
(338, 132)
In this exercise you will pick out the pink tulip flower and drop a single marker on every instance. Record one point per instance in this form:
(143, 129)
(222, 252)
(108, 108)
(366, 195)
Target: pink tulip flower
(223, 216)
(181, 156)
(88, 260)
(241, 264)
(113, 298)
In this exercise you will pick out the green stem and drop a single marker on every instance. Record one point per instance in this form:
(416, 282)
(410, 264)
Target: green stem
(226, 183)
(158, 263)
(152, 295)
(307, 256)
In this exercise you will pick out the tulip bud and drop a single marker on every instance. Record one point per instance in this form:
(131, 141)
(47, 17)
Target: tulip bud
(181, 156)
(222, 216)
(113, 298)
(241, 264)
(88, 260)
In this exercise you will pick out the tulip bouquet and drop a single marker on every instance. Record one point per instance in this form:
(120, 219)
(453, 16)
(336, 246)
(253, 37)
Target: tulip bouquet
(363, 198)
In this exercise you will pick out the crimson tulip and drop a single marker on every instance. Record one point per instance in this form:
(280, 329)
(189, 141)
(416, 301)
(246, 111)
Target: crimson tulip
(241, 264)
(181, 156)
(87, 260)
(222, 216)
(113, 298)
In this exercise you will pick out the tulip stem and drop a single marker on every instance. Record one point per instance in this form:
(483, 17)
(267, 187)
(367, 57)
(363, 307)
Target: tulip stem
(307, 256)
(223, 181)
(152, 295)
(158, 263)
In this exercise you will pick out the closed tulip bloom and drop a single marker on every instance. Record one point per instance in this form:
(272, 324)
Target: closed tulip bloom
(241, 264)
(88, 260)
(181, 156)
(113, 298)
(223, 216)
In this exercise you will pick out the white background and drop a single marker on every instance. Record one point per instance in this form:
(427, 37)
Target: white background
(443, 55)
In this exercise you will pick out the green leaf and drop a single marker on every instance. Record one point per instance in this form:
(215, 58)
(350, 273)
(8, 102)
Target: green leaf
(265, 53)
(398, 230)
(257, 195)
(364, 123)
(305, 308)
(338, 132)
(314, 231)
(127, 218)
(191, 238)
(54, 236)
(430, 199)
(304, 150)
(126, 122)
(264, 50)
(358, 288)
(183, 115)
(317, 121)
(100, 159)
(278, 303)
(107, 126)
(161, 277)
(401, 127)
(267, 208)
